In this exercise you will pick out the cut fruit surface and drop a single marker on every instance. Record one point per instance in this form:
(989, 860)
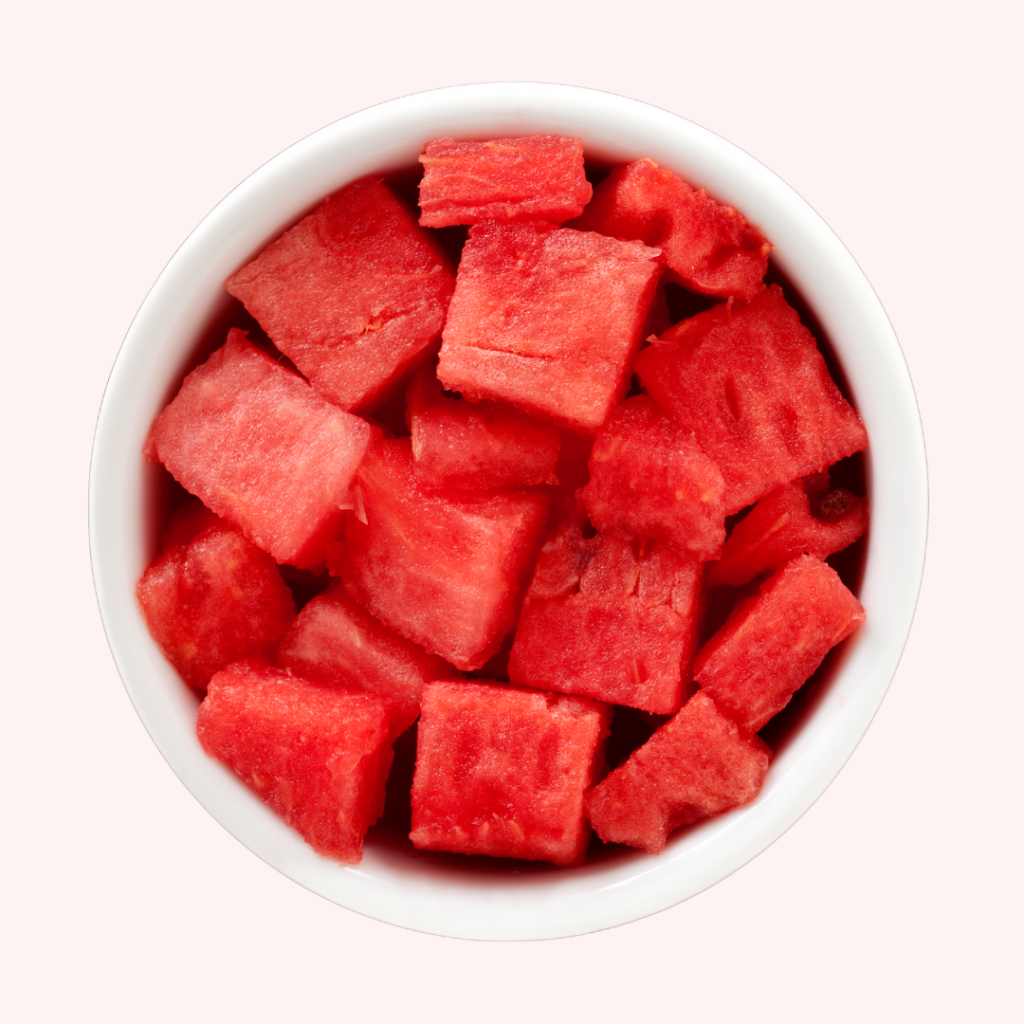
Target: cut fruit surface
(334, 640)
(710, 247)
(477, 446)
(787, 523)
(444, 569)
(317, 755)
(650, 480)
(547, 319)
(773, 641)
(213, 600)
(536, 177)
(602, 622)
(503, 771)
(262, 449)
(355, 294)
(697, 765)
(751, 385)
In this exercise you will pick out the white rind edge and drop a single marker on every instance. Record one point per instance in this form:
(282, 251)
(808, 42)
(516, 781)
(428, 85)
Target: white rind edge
(411, 892)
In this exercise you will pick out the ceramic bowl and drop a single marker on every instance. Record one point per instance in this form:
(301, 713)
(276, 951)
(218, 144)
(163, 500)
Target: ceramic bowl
(188, 304)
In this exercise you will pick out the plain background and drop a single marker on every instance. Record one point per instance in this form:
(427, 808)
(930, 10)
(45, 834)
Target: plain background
(898, 896)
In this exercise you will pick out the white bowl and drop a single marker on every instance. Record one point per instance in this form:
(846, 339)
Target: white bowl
(188, 302)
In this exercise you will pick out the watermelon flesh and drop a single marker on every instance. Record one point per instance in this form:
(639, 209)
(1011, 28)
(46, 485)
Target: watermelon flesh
(649, 479)
(261, 449)
(602, 621)
(355, 294)
(751, 385)
(476, 445)
(317, 755)
(697, 765)
(774, 640)
(709, 247)
(444, 569)
(547, 319)
(333, 640)
(793, 520)
(537, 177)
(213, 600)
(502, 771)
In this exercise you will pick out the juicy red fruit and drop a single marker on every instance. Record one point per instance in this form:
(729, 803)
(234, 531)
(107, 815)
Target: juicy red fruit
(262, 449)
(355, 294)
(538, 177)
(317, 755)
(443, 569)
(503, 771)
(547, 319)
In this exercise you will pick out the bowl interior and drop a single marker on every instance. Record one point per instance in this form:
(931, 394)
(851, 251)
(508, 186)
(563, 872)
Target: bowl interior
(186, 314)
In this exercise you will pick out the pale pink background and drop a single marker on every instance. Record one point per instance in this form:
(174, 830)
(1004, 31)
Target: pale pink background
(897, 897)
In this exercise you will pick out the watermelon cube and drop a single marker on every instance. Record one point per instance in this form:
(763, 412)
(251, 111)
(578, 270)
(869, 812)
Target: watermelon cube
(355, 294)
(709, 247)
(213, 600)
(476, 445)
(650, 480)
(317, 755)
(503, 771)
(774, 640)
(444, 569)
(190, 518)
(573, 472)
(536, 177)
(548, 319)
(750, 383)
(335, 641)
(795, 519)
(697, 765)
(262, 449)
(602, 621)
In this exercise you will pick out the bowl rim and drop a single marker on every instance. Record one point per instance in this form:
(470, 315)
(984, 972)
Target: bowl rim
(416, 893)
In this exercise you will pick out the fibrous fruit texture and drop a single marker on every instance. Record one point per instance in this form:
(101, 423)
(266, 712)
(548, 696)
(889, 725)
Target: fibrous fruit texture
(503, 771)
(476, 445)
(650, 480)
(709, 246)
(334, 640)
(697, 765)
(751, 385)
(317, 755)
(774, 641)
(355, 294)
(547, 318)
(602, 621)
(444, 569)
(262, 449)
(538, 177)
(212, 600)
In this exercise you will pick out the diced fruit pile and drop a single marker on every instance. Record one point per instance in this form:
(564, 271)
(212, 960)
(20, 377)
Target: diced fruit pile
(515, 494)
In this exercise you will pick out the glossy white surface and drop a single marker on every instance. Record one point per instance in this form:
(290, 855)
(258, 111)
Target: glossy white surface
(412, 892)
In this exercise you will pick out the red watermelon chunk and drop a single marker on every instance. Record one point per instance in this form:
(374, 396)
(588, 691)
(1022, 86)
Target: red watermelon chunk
(773, 641)
(188, 519)
(476, 445)
(709, 246)
(752, 386)
(649, 479)
(443, 569)
(355, 294)
(317, 755)
(536, 177)
(697, 765)
(262, 449)
(335, 641)
(503, 771)
(548, 319)
(212, 600)
(603, 622)
(573, 472)
(794, 520)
